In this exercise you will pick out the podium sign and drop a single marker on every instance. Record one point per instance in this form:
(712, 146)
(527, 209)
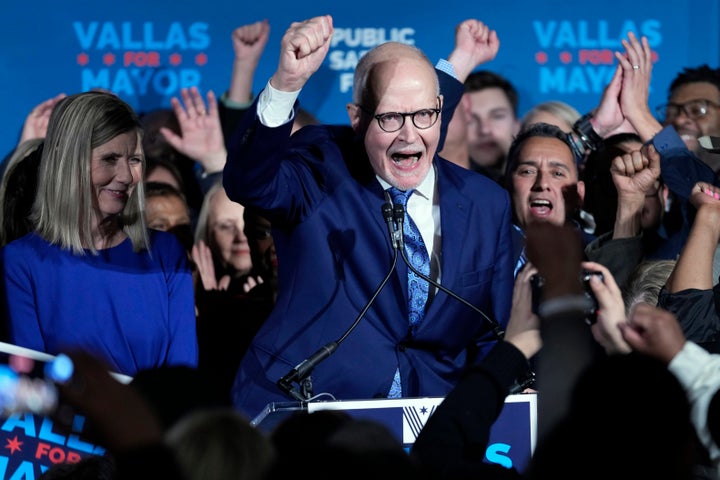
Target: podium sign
(512, 436)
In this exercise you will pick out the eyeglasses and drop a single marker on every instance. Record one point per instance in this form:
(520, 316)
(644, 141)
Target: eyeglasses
(394, 121)
(694, 109)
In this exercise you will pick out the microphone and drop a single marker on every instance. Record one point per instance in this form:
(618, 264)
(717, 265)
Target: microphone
(301, 373)
(399, 217)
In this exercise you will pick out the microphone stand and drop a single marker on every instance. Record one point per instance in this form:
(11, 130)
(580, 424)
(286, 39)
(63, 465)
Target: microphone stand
(399, 217)
(301, 373)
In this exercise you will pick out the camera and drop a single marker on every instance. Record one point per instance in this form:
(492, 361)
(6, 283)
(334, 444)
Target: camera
(537, 284)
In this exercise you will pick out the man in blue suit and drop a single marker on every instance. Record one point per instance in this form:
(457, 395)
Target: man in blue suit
(323, 190)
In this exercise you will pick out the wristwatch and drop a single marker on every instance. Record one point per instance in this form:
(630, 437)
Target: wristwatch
(587, 135)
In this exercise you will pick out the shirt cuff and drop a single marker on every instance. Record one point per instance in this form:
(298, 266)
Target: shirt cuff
(447, 67)
(274, 107)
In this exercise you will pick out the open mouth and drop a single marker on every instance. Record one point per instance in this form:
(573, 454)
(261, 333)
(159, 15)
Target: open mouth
(406, 159)
(541, 208)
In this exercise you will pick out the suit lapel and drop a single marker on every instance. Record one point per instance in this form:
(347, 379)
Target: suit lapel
(454, 220)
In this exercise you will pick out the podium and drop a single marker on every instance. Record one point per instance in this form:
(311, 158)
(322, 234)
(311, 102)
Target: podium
(512, 436)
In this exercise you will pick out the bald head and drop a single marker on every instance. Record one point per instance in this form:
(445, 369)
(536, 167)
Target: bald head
(379, 66)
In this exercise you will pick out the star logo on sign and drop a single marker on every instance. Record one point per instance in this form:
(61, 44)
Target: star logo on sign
(13, 444)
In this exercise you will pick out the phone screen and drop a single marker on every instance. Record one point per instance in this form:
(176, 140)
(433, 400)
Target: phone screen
(29, 384)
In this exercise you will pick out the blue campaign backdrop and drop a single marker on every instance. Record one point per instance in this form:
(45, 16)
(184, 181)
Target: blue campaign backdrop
(145, 51)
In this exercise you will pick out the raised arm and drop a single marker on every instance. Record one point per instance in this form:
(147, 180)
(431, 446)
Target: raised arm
(634, 174)
(623, 106)
(694, 268)
(302, 51)
(248, 43)
(637, 69)
(475, 44)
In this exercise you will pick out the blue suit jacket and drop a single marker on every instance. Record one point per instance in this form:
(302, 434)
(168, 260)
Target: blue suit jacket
(324, 202)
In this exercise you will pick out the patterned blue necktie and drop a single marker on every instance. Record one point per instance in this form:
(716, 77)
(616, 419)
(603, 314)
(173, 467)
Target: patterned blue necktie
(417, 287)
(418, 255)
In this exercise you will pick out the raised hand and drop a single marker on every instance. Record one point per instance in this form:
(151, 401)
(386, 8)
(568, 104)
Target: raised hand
(475, 44)
(302, 51)
(635, 173)
(636, 65)
(705, 194)
(201, 135)
(202, 256)
(694, 267)
(36, 122)
(249, 40)
(248, 43)
(608, 117)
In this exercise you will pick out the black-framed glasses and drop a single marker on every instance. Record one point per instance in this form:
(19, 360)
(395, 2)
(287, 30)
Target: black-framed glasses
(694, 109)
(394, 121)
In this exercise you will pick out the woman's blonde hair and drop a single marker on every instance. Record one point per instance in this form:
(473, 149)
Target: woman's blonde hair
(65, 203)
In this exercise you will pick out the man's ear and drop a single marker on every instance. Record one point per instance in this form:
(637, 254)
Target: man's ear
(355, 114)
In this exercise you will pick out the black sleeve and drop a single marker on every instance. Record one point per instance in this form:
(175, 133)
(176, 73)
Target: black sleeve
(697, 312)
(229, 119)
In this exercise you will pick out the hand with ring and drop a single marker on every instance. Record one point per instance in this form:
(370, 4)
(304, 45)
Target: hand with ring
(201, 137)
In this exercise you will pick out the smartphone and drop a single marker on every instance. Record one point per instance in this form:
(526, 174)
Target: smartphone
(28, 381)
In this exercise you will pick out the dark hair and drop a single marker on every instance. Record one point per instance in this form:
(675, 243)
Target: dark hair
(162, 189)
(483, 79)
(703, 73)
(18, 189)
(544, 130)
(158, 150)
(153, 163)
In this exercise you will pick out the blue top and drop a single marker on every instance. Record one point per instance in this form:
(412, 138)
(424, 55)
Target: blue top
(133, 310)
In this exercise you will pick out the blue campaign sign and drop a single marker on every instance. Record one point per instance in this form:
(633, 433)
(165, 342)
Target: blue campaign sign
(512, 436)
(32, 443)
(147, 51)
